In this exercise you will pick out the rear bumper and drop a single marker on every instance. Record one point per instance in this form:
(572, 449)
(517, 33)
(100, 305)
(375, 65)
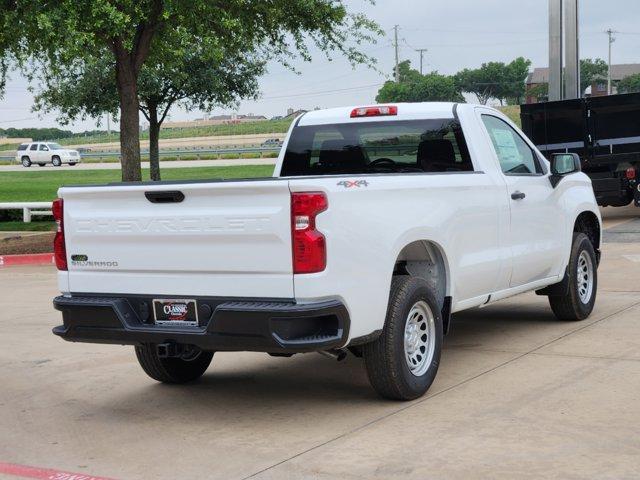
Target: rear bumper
(225, 325)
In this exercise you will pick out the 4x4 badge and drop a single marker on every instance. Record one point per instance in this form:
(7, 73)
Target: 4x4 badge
(353, 183)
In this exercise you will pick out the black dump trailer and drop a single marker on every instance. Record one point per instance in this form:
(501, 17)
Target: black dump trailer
(604, 131)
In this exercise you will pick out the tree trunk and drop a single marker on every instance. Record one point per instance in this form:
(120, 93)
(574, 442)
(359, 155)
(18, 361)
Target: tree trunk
(154, 143)
(129, 120)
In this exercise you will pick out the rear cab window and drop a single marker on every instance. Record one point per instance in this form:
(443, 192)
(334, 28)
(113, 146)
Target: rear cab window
(22, 147)
(397, 146)
(34, 146)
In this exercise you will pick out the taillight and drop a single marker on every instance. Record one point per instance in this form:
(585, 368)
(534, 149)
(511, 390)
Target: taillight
(59, 248)
(309, 247)
(631, 173)
(379, 111)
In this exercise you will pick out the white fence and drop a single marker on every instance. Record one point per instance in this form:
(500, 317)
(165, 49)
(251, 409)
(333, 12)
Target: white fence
(28, 209)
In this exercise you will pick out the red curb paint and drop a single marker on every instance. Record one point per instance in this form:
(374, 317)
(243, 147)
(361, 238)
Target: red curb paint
(36, 259)
(44, 473)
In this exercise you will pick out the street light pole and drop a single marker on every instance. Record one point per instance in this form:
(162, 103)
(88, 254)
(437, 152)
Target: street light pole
(555, 50)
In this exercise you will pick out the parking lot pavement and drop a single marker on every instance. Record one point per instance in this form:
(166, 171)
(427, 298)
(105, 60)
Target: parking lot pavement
(518, 395)
(165, 164)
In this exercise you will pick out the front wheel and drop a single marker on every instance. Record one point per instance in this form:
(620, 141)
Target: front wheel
(403, 361)
(578, 302)
(186, 368)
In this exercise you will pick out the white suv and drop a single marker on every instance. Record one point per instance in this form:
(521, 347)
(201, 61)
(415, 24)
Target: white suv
(46, 152)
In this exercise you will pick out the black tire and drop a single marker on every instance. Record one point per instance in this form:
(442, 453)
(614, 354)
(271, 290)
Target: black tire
(572, 306)
(72, 164)
(26, 162)
(387, 366)
(56, 161)
(174, 369)
(41, 164)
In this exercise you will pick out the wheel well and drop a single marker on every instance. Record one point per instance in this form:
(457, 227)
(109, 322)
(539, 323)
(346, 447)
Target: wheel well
(424, 259)
(587, 223)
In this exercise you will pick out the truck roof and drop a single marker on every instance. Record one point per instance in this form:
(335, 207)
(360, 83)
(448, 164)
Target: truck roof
(406, 111)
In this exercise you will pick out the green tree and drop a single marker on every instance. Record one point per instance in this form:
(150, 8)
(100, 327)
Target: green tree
(513, 88)
(630, 84)
(193, 76)
(484, 82)
(414, 87)
(496, 80)
(57, 33)
(540, 92)
(591, 70)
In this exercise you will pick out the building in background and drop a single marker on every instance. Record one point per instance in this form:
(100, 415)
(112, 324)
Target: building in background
(538, 82)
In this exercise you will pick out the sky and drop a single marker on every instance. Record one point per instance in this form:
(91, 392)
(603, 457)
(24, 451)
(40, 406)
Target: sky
(457, 33)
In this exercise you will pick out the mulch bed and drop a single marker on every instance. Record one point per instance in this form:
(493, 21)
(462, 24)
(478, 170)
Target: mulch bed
(23, 244)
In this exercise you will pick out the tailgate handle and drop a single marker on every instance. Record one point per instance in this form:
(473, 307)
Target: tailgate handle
(172, 196)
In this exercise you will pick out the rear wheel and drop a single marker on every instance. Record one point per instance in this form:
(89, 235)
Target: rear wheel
(56, 161)
(580, 298)
(403, 361)
(26, 162)
(190, 366)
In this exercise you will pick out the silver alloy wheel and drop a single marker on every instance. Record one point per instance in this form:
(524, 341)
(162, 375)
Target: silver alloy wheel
(419, 338)
(584, 276)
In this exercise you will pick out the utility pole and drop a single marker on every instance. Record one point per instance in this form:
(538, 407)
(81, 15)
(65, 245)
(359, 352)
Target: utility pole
(611, 40)
(395, 44)
(421, 52)
(108, 125)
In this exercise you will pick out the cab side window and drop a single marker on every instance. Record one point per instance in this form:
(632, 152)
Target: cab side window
(43, 148)
(514, 154)
(33, 147)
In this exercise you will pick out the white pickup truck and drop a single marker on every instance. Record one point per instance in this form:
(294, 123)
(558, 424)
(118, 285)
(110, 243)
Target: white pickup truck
(379, 223)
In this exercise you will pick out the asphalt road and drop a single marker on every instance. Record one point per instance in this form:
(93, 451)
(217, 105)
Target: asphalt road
(518, 395)
(168, 164)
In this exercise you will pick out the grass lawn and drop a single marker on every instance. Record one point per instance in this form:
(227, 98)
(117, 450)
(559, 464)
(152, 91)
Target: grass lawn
(17, 226)
(513, 112)
(42, 186)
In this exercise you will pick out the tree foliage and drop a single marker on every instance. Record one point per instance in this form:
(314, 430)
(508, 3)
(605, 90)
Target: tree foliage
(540, 92)
(414, 87)
(590, 71)
(630, 84)
(194, 76)
(58, 33)
(495, 80)
(36, 133)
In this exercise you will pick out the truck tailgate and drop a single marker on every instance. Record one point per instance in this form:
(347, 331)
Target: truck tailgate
(227, 239)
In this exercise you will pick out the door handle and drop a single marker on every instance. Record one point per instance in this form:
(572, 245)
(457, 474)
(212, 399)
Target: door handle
(517, 195)
(172, 196)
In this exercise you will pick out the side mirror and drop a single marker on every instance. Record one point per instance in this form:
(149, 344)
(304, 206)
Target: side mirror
(563, 164)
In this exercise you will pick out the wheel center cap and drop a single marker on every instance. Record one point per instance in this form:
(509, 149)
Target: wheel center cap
(412, 338)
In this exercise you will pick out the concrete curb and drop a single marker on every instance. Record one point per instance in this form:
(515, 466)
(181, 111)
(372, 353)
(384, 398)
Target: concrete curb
(30, 259)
